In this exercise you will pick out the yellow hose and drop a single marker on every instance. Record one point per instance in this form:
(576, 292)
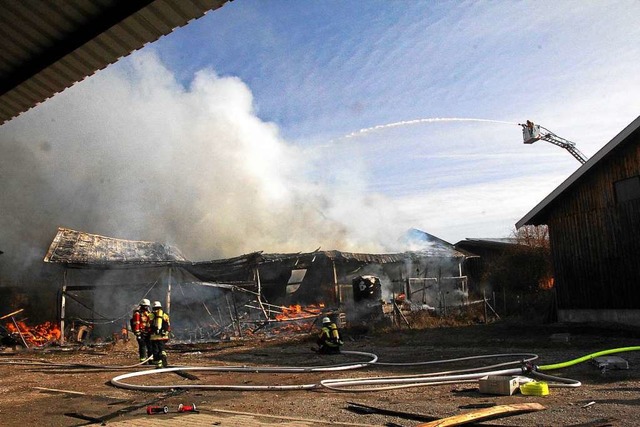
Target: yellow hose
(585, 358)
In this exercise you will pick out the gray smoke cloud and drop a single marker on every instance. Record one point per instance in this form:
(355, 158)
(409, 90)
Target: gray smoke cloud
(131, 153)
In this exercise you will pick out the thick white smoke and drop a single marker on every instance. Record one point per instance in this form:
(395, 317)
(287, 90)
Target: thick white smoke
(131, 153)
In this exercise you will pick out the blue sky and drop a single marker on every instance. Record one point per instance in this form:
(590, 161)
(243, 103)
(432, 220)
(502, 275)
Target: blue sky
(261, 126)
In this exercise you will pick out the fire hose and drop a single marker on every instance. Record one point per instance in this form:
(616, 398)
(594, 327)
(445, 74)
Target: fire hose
(447, 377)
(74, 365)
(118, 381)
(459, 376)
(587, 357)
(356, 384)
(380, 383)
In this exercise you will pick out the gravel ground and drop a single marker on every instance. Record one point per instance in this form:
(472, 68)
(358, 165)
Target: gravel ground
(614, 393)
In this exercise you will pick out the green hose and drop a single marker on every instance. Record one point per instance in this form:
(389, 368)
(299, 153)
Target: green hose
(585, 358)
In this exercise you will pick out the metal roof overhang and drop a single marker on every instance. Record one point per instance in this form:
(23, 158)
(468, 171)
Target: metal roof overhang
(47, 46)
(538, 215)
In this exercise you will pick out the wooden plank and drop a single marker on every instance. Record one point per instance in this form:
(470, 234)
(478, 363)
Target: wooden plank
(366, 409)
(493, 413)
(11, 314)
(55, 390)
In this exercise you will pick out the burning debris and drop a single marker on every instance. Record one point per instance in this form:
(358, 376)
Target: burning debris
(38, 335)
(19, 333)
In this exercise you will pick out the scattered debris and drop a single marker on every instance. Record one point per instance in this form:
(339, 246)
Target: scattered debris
(365, 409)
(186, 375)
(85, 417)
(610, 362)
(465, 390)
(586, 405)
(132, 408)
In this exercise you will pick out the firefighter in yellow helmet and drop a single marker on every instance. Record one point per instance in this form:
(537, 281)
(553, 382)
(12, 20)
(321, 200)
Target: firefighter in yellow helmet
(329, 338)
(160, 328)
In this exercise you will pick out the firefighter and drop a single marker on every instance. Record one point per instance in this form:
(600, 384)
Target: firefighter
(140, 328)
(329, 339)
(160, 328)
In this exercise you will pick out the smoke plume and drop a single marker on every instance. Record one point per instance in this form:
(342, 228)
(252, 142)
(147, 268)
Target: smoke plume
(132, 153)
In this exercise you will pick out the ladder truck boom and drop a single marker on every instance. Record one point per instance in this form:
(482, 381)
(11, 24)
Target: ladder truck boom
(532, 133)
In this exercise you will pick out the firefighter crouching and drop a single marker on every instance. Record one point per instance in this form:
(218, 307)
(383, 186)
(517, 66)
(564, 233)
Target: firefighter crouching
(329, 339)
(141, 328)
(160, 328)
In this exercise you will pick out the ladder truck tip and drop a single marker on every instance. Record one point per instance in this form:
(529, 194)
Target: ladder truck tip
(532, 132)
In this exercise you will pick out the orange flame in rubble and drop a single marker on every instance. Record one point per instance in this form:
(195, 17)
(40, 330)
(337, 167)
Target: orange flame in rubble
(296, 311)
(38, 335)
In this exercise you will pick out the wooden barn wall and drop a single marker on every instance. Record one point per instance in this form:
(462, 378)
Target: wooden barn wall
(595, 240)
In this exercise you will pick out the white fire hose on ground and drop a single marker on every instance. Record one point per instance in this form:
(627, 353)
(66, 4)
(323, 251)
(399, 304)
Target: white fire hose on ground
(119, 380)
(350, 384)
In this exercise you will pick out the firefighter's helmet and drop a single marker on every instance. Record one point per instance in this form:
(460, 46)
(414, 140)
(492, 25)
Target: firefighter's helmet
(326, 320)
(145, 303)
(157, 304)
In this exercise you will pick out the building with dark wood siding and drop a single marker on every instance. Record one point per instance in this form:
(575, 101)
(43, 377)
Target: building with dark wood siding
(594, 230)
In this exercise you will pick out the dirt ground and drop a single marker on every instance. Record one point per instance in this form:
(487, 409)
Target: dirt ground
(615, 393)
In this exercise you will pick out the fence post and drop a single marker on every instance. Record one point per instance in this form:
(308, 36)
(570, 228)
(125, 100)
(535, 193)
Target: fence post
(484, 305)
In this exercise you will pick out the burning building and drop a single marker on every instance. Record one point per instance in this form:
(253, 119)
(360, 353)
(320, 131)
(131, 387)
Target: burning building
(104, 278)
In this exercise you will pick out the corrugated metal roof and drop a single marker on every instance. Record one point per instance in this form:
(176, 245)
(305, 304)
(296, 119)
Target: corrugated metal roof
(47, 46)
(468, 246)
(390, 258)
(85, 250)
(77, 248)
(536, 216)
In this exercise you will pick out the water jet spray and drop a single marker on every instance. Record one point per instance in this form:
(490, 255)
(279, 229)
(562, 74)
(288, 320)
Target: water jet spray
(419, 121)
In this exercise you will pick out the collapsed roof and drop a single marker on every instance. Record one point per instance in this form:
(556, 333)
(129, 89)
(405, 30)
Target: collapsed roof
(77, 249)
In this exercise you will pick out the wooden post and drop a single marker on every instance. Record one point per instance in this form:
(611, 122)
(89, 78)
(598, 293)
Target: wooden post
(257, 276)
(494, 298)
(336, 290)
(19, 332)
(504, 300)
(444, 300)
(484, 300)
(394, 318)
(235, 310)
(233, 320)
(168, 306)
(63, 305)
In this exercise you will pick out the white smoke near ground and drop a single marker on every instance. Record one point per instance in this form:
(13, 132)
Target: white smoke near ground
(133, 154)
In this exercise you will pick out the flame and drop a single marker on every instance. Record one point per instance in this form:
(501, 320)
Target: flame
(296, 311)
(38, 335)
(546, 283)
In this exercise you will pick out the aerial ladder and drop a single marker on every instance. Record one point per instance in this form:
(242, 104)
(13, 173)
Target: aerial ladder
(532, 133)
